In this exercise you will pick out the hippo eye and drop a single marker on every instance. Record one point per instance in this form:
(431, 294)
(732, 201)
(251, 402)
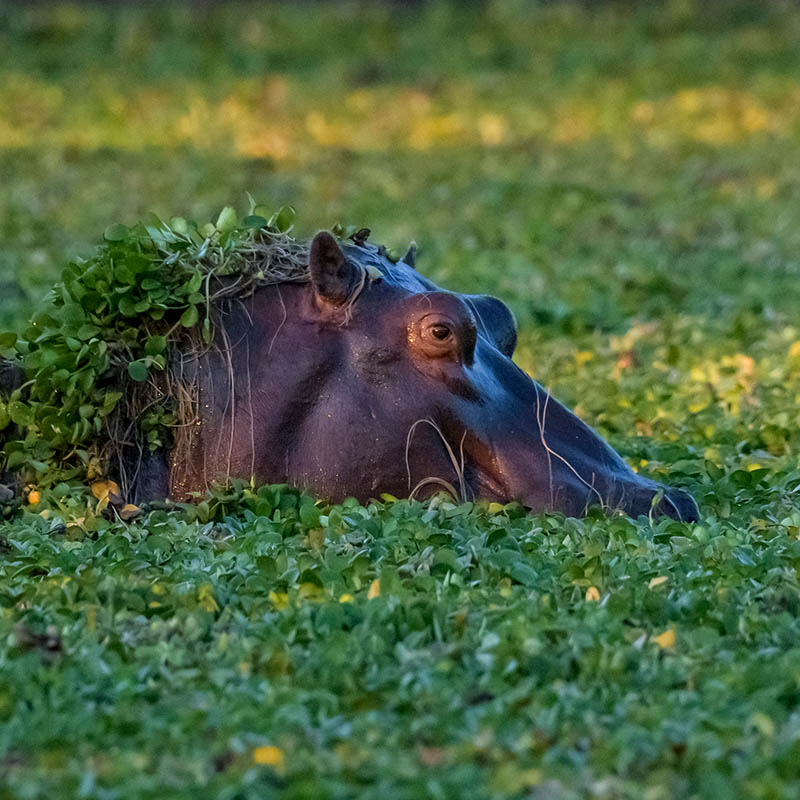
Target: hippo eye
(436, 335)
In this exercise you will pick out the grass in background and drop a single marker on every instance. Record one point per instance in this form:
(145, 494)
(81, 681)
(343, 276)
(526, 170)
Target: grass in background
(628, 181)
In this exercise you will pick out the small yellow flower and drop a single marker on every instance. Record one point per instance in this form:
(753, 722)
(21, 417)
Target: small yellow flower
(270, 756)
(374, 589)
(657, 581)
(346, 598)
(592, 595)
(34, 497)
(666, 639)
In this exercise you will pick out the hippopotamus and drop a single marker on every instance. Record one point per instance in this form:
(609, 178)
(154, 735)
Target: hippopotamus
(367, 378)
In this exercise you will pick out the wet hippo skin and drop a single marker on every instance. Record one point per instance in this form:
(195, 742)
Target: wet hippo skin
(368, 378)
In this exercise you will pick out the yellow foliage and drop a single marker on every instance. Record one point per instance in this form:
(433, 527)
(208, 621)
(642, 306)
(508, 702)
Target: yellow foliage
(658, 581)
(374, 589)
(311, 591)
(206, 599)
(492, 129)
(279, 599)
(665, 640)
(269, 756)
(794, 355)
(432, 129)
(129, 511)
(102, 489)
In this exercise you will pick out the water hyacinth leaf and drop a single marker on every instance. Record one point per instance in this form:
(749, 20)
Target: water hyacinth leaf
(110, 401)
(87, 331)
(116, 232)
(127, 307)
(73, 315)
(283, 219)
(179, 225)
(156, 345)
(21, 413)
(310, 515)
(129, 512)
(189, 317)
(195, 282)
(138, 370)
(7, 340)
(227, 219)
(254, 221)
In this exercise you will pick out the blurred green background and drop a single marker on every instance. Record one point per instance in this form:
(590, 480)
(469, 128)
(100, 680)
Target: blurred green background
(589, 163)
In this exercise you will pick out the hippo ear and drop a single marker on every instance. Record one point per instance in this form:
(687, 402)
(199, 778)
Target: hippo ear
(410, 257)
(332, 275)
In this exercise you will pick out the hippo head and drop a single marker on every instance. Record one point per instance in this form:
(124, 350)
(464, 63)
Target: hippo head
(371, 379)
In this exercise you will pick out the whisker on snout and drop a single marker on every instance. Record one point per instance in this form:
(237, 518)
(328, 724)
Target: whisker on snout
(458, 465)
(446, 485)
(541, 421)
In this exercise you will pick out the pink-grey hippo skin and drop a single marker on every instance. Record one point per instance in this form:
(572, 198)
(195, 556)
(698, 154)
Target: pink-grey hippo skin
(368, 379)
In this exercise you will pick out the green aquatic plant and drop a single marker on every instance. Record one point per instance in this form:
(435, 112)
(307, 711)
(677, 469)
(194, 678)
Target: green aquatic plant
(96, 358)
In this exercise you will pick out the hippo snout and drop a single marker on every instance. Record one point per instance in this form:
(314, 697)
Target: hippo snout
(679, 505)
(674, 503)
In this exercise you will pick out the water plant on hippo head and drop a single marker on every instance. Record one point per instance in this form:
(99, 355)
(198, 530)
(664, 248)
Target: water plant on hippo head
(181, 356)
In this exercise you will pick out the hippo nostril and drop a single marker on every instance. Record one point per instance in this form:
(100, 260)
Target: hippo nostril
(680, 505)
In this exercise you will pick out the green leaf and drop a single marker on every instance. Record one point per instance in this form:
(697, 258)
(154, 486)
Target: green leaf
(7, 340)
(254, 221)
(127, 306)
(283, 220)
(138, 370)
(116, 232)
(310, 515)
(194, 283)
(156, 345)
(21, 413)
(110, 401)
(179, 225)
(189, 317)
(227, 219)
(87, 331)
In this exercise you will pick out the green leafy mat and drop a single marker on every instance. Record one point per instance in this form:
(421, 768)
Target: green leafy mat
(96, 359)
